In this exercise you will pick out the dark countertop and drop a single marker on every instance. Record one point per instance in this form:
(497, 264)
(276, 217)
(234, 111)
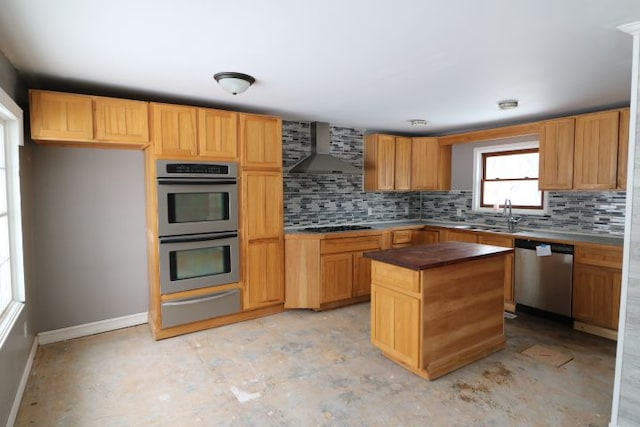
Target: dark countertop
(435, 255)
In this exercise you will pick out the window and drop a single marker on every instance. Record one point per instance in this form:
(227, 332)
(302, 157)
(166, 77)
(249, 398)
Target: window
(508, 172)
(11, 265)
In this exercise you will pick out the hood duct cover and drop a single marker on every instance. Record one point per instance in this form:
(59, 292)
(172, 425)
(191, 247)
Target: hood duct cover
(320, 161)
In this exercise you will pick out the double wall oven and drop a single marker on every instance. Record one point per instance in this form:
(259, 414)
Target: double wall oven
(198, 238)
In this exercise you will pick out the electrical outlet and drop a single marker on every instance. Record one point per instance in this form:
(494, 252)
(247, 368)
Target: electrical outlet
(458, 212)
(406, 210)
(370, 211)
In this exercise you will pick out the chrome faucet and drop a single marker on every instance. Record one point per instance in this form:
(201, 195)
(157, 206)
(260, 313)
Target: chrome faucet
(507, 212)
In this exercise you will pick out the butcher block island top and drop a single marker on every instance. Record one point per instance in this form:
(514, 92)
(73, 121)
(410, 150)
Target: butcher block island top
(436, 308)
(423, 257)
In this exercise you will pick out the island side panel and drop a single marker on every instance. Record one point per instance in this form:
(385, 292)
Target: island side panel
(463, 313)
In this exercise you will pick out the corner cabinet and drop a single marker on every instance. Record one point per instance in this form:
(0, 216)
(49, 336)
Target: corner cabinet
(395, 163)
(89, 121)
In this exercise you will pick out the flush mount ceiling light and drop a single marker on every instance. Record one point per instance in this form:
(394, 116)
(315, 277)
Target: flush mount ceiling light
(234, 83)
(418, 122)
(508, 104)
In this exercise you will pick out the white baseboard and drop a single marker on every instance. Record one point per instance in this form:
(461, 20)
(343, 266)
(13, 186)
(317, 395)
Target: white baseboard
(92, 328)
(23, 384)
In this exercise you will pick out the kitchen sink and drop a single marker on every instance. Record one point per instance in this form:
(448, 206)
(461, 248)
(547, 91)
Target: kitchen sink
(484, 228)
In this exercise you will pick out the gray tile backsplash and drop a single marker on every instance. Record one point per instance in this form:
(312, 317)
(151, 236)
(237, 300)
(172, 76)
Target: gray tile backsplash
(312, 199)
(599, 212)
(338, 199)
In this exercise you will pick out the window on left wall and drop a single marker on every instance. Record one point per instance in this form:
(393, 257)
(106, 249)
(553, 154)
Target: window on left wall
(11, 256)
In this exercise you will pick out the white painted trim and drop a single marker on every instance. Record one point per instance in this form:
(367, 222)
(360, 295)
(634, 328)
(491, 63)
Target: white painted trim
(23, 384)
(92, 328)
(634, 29)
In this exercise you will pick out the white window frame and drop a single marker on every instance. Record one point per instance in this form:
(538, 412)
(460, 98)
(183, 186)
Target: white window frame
(477, 177)
(12, 118)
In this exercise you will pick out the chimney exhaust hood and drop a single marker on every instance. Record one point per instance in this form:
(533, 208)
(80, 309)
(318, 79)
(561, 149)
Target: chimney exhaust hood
(320, 161)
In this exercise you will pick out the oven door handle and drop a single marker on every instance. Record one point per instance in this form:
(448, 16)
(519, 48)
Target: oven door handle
(196, 182)
(199, 238)
(197, 300)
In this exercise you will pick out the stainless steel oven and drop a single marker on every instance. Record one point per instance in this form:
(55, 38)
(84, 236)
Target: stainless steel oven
(196, 197)
(198, 261)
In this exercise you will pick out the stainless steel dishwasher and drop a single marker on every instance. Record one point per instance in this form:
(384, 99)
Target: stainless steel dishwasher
(543, 282)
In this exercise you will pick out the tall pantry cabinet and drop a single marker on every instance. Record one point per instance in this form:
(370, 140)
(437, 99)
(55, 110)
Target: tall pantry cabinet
(262, 210)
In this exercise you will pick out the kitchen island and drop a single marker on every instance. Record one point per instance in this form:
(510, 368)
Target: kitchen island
(438, 307)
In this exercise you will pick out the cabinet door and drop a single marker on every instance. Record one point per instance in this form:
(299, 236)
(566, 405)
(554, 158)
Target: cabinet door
(395, 324)
(623, 148)
(596, 151)
(596, 295)
(121, 120)
(173, 130)
(61, 116)
(218, 134)
(262, 204)
(361, 275)
(556, 155)
(336, 272)
(264, 273)
(402, 178)
(424, 166)
(261, 141)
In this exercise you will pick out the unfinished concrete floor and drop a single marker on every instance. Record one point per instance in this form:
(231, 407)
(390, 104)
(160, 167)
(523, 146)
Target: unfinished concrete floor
(301, 368)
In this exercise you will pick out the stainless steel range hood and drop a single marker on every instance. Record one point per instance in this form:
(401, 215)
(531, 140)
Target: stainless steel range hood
(320, 161)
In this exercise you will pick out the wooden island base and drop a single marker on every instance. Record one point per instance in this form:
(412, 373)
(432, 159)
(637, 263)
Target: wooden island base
(441, 312)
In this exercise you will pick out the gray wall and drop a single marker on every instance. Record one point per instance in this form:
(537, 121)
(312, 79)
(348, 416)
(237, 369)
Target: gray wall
(14, 353)
(89, 228)
(629, 396)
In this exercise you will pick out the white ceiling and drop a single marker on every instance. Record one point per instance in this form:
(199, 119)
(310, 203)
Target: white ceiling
(369, 64)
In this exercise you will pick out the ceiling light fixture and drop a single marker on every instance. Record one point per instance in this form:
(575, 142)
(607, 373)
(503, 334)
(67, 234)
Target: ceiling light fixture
(418, 122)
(234, 83)
(508, 104)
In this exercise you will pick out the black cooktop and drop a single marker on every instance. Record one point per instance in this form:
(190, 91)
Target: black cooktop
(334, 228)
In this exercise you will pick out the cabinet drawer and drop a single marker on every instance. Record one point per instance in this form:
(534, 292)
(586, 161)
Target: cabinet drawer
(600, 256)
(403, 279)
(182, 311)
(350, 244)
(401, 236)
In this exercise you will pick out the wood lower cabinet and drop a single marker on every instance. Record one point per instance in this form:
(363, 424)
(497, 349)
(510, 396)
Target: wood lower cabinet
(453, 235)
(264, 273)
(327, 271)
(425, 236)
(597, 277)
(395, 324)
(506, 242)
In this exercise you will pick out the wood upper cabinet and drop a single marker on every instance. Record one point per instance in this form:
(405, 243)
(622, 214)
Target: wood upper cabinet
(121, 120)
(218, 134)
(174, 130)
(263, 273)
(556, 154)
(379, 162)
(262, 204)
(430, 165)
(57, 116)
(597, 277)
(261, 141)
(596, 151)
(623, 148)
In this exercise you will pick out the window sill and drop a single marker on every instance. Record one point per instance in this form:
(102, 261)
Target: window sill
(8, 319)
